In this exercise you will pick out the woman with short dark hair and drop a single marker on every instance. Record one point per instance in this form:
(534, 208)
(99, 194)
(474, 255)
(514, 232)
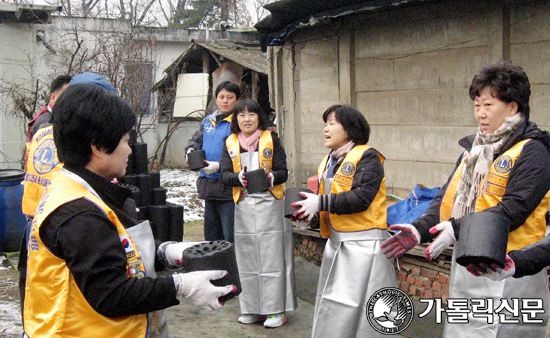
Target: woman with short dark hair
(351, 207)
(86, 275)
(263, 240)
(78, 127)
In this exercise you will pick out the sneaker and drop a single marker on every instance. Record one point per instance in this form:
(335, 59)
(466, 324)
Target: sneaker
(249, 319)
(275, 320)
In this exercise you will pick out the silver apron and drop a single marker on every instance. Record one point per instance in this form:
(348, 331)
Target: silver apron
(142, 235)
(465, 285)
(264, 249)
(353, 268)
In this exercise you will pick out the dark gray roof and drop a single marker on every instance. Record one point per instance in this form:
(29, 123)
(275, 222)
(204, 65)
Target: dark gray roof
(248, 55)
(26, 13)
(288, 15)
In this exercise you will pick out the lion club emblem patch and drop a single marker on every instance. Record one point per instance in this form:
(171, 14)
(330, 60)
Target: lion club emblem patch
(503, 164)
(268, 153)
(45, 157)
(348, 169)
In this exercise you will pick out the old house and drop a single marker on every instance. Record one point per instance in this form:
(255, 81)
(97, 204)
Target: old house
(38, 46)
(186, 92)
(406, 65)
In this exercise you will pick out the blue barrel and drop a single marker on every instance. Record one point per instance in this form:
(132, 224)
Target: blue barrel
(12, 220)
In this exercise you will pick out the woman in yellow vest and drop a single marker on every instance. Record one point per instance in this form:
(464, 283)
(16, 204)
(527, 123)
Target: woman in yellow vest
(86, 276)
(505, 170)
(263, 239)
(351, 203)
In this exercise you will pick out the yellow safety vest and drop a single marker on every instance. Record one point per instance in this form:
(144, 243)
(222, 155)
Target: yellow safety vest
(534, 227)
(376, 214)
(54, 305)
(42, 163)
(265, 150)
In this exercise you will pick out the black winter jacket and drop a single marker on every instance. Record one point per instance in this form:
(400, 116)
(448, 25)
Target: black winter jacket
(83, 236)
(365, 186)
(531, 259)
(280, 171)
(528, 182)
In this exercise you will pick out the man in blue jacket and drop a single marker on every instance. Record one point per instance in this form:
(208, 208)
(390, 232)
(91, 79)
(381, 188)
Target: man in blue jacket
(219, 208)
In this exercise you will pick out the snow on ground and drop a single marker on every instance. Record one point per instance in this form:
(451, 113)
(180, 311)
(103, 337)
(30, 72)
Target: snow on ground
(2, 265)
(182, 190)
(10, 319)
(10, 311)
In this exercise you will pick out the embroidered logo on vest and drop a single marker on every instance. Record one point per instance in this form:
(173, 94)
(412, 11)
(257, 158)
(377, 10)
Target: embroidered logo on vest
(130, 253)
(268, 153)
(45, 158)
(503, 164)
(348, 169)
(133, 270)
(266, 165)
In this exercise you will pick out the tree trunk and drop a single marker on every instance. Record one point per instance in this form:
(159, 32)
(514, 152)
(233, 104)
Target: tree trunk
(224, 10)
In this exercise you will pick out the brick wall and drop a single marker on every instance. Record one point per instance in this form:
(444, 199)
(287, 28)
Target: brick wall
(417, 276)
(423, 279)
(309, 247)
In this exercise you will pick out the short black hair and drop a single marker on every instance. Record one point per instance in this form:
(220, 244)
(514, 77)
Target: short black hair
(59, 82)
(253, 107)
(508, 83)
(86, 115)
(354, 123)
(231, 87)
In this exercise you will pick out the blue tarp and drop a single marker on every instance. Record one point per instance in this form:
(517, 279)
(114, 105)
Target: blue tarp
(413, 207)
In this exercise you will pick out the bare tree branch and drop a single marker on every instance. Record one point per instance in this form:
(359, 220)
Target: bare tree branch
(122, 10)
(145, 12)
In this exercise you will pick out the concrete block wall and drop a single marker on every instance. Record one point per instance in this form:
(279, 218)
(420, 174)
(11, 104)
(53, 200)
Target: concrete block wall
(408, 70)
(17, 58)
(530, 48)
(175, 153)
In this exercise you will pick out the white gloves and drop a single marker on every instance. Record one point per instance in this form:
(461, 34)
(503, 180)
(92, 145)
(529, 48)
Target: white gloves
(494, 272)
(187, 152)
(445, 239)
(242, 177)
(171, 253)
(271, 179)
(212, 167)
(196, 286)
(309, 206)
(407, 238)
